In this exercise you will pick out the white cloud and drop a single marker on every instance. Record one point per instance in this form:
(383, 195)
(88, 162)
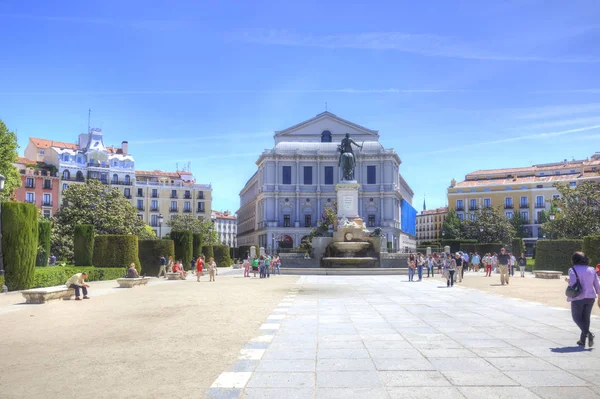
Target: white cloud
(556, 111)
(560, 123)
(422, 44)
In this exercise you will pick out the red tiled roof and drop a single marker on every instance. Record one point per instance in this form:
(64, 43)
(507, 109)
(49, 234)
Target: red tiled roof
(44, 143)
(538, 168)
(158, 173)
(526, 179)
(26, 161)
(114, 150)
(223, 215)
(443, 209)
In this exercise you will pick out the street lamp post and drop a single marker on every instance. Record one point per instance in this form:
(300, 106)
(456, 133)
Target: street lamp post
(160, 221)
(4, 287)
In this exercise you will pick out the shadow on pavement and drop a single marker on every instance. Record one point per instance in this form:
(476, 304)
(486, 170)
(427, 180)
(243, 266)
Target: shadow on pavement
(571, 349)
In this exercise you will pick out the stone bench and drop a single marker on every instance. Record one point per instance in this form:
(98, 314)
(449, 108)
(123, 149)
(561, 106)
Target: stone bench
(131, 282)
(174, 276)
(547, 274)
(45, 294)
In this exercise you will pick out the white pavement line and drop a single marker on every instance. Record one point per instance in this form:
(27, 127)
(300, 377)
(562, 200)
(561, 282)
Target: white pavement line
(276, 317)
(263, 338)
(232, 380)
(270, 326)
(284, 305)
(251, 354)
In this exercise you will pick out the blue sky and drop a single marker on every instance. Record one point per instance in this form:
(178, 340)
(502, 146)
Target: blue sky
(452, 86)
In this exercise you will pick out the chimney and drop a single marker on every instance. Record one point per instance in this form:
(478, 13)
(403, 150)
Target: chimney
(125, 147)
(565, 163)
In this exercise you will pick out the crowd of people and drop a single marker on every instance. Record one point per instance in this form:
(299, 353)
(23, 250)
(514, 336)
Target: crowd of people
(452, 266)
(265, 265)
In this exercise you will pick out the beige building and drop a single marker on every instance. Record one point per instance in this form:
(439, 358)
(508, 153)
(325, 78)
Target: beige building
(165, 195)
(527, 190)
(429, 224)
(225, 224)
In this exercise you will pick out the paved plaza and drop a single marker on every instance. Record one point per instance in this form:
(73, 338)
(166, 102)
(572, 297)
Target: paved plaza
(383, 337)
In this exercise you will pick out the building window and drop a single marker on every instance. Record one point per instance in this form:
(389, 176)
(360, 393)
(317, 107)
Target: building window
(187, 195)
(30, 197)
(307, 220)
(508, 203)
(525, 216)
(538, 217)
(187, 206)
(487, 202)
(127, 179)
(371, 174)
(308, 175)
(524, 203)
(328, 174)
(42, 152)
(48, 184)
(140, 205)
(154, 205)
(286, 220)
(573, 184)
(460, 205)
(29, 182)
(65, 186)
(200, 206)
(47, 213)
(509, 215)
(115, 179)
(539, 201)
(154, 220)
(154, 193)
(127, 192)
(46, 200)
(200, 194)
(140, 192)
(555, 196)
(173, 193)
(326, 137)
(473, 205)
(460, 216)
(371, 221)
(286, 175)
(174, 206)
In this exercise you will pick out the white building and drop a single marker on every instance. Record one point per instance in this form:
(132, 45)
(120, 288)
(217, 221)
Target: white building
(295, 180)
(226, 226)
(429, 224)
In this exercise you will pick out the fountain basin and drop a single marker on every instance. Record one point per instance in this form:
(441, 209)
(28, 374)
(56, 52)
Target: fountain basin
(350, 262)
(351, 247)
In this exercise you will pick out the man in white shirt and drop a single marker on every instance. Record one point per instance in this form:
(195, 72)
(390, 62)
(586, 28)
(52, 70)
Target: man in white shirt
(77, 282)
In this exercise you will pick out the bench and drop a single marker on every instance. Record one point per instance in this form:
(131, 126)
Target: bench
(131, 282)
(547, 274)
(174, 276)
(45, 294)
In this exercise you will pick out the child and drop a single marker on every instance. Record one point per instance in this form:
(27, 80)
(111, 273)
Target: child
(212, 268)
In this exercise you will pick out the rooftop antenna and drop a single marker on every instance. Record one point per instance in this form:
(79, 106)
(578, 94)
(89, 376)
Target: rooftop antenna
(89, 117)
(325, 106)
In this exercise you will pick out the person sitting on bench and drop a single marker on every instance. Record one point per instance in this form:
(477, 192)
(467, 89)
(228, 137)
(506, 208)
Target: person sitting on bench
(77, 281)
(131, 272)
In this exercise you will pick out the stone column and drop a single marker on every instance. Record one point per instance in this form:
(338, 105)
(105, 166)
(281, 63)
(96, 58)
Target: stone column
(447, 249)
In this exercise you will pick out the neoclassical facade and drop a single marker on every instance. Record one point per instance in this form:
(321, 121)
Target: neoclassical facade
(294, 183)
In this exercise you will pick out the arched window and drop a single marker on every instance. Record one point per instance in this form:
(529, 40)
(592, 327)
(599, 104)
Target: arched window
(79, 176)
(66, 174)
(115, 179)
(326, 137)
(127, 181)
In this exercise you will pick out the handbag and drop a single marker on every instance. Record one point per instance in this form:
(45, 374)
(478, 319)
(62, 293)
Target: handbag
(576, 289)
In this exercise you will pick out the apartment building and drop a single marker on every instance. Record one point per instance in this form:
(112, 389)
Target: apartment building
(39, 185)
(527, 190)
(225, 225)
(429, 224)
(163, 196)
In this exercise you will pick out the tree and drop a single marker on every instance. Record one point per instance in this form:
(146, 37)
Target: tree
(94, 203)
(204, 227)
(8, 156)
(489, 226)
(518, 224)
(576, 212)
(451, 227)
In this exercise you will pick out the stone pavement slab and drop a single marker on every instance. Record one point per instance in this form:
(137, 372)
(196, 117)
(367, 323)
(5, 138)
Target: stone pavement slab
(382, 337)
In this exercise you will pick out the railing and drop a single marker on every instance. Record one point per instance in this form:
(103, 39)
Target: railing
(127, 196)
(508, 206)
(473, 208)
(30, 201)
(153, 224)
(79, 179)
(173, 195)
(97, 165)
(524, 205)
(47, 187)
(200, 210)
(460, 208)
(122, 183)
(47, 203)
(187, 211)
(29, 185)
(154, 196)
(140, 195)
(187, 196)
(540, 205)
(140, 208)
(200, 195)
(173, 210)
(103, 181)
(154, 209)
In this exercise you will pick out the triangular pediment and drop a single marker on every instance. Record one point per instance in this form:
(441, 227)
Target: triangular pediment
(326, 121)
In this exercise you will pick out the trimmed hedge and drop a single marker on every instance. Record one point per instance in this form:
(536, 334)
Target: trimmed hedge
(208, 252)
(83, 242)
(468, 248)
(197, 245)
(150, 252)
(556, 254)
(222, 258)
(591, 247)
(517, 247)
(184, 241)
(44, 233)
(491, 248)
(19, 243)
(455, 244)
(58, 275)
(114, 250)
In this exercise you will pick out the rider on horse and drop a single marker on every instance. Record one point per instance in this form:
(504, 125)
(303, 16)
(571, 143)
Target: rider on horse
(347, 160)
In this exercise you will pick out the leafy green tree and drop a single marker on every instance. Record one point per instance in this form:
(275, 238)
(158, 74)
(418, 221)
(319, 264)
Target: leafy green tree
(451, 227)
(94, 203)
(489, 226)
(8, 156)
(204, 227)
(518, 224)
(576, 212)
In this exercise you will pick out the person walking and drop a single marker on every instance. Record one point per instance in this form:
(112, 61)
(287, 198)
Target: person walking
(522, 261)
(495, 263)
(450, 264)
(503, 259)
(412, 264)
(420, 264)
(458, 263)
(512, 264)
(170, 265)
(276, 264)
(212, 269)
(430, 265)
(268, 266)
(255, 264)
(246, 267)
(199, 267)
(488, 261)
(261, 267)
(163, 267)
(581, 305)
(192, 265)
(476, 261)
(466, 259)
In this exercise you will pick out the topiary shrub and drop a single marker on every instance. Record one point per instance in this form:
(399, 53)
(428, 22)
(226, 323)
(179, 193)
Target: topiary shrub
(517, 247)
(83, 243)
(52, 276)
(591, 247)
(555, 254)
(490, 248)
(19, 243)
(221, 255)
(44, 233)
(197, 246)
(468, 247)
(150, 252)
(114, 250)
(455, 244)
(208, 251)
(184, 241)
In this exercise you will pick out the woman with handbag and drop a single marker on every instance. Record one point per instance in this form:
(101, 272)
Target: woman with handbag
(582, 292)
(412, 264)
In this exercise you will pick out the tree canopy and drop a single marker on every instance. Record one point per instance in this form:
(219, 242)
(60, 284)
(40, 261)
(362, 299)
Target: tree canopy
(490, 225)
(8, 156)
(451, 227)
(576, 212)
(204, 227)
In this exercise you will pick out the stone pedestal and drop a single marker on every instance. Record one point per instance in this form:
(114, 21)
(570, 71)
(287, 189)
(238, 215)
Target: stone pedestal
(347, 199)
(428, 251)
(252, 252)
(447, 249)
(262, 251)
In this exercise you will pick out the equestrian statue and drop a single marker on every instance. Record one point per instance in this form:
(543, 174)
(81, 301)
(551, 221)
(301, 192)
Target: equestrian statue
(347, 159)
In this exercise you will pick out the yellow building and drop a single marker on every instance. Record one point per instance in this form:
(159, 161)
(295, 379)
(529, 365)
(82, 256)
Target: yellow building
(165, 195)
(429, 224)
(527, 190)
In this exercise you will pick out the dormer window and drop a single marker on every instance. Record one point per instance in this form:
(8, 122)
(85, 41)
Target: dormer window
(326, 137)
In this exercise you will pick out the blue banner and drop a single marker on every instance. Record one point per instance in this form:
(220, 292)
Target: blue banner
(409, 218)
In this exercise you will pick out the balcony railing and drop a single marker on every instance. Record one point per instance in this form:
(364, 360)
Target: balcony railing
(47, 203)
(173, 195)
(473, 208)
(153, 224)
(47, 186)
(103, 181)
(128, 196)
(524, 205)
(173, 210)
(122, 183)
(98, 165)
(200, 210)
(460, 208)
(31, 201)
(187, 196)
(540, 205)
(29, 185)
(187, 211)
(154, 195)
(140, 195)
(79, 179)
(140, 208)
(508, 206)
